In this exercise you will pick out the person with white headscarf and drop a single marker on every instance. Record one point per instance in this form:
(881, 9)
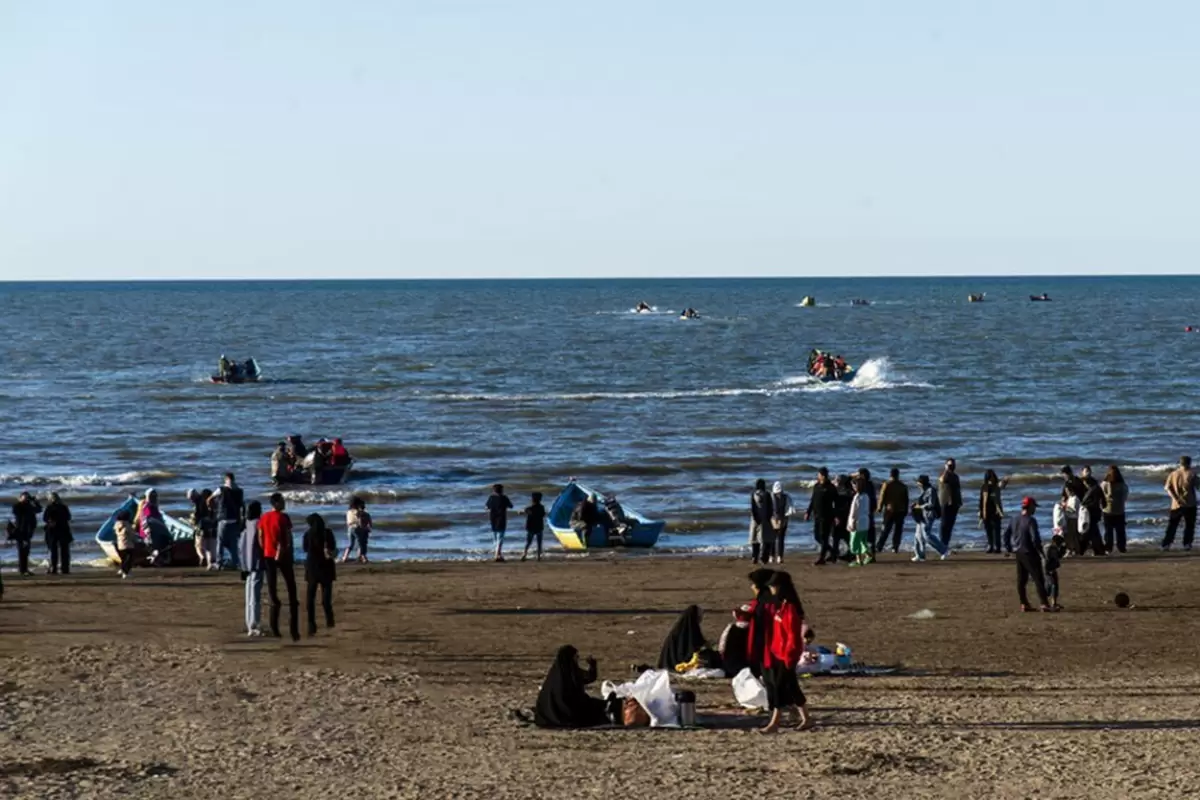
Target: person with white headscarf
(781, 504)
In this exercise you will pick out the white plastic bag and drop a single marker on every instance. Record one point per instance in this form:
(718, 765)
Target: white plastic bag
(748, 690)
(653, 692)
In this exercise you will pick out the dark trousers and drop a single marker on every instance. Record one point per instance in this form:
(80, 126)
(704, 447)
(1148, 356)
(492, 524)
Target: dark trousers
(949, 517)
(287, 570)
(823, 533)
(529, 537)
(126, 560)
(60, 555)
(893, 524)
(1091, 537)
(995, 536)
(1114, 532)
(326, 602)
(23, 548)
(1029, 567)
(841, 542)
(1188, 515)
(1052, 586)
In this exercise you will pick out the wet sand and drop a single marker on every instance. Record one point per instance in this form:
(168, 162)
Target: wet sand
(147, 687)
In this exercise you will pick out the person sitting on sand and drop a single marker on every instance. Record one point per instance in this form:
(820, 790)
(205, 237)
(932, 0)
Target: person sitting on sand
(781, 658)
(563, 701)
(684, 640)
(734, 644)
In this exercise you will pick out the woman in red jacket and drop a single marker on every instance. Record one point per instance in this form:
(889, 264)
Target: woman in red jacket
(783, 653)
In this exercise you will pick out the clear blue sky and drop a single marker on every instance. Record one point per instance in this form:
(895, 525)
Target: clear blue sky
(179, 139)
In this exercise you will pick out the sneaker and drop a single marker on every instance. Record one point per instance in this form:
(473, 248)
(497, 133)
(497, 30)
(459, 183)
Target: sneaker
(945, 555)
(917, 558)
(124, 575)
(870, 559)
(855, 564)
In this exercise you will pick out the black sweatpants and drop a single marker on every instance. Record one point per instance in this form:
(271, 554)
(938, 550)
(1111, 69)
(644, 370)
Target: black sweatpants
(1188, 515)
(892, 524)
(1029, 567)
(1091, 537)
(287, 570)
(326, 603)
(530, 536)
(949, 517)
(60, 555)
(1114, 532)
(23, 548)
(993, 526)
(823, 533)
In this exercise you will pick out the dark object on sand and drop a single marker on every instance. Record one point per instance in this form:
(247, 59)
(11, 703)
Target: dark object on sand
(1122, 600)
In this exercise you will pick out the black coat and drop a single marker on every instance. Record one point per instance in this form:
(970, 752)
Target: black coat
(563, 701)
(319, 565)
(684, 640)
(58, 522)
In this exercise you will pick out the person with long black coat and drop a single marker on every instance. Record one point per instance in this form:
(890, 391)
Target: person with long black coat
(762, 616)
(320, 567)
(683, 641)
(24, 523)
(563, 701)
(57, 521)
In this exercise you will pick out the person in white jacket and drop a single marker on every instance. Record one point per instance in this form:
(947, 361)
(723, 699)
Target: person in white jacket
(859, 524)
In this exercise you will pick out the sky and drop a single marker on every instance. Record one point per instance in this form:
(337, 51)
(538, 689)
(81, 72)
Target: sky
(271, 139)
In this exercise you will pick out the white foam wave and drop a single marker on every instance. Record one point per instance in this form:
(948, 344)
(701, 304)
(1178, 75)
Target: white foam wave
(1150, 469)
(123, 479)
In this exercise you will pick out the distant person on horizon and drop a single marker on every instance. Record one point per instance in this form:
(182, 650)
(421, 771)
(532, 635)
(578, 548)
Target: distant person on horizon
(950, 499)
(498, 505)
(1181, 488)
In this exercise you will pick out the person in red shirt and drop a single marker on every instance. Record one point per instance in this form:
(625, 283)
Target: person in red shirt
(275, 538)
(762, 615)
(783, 654)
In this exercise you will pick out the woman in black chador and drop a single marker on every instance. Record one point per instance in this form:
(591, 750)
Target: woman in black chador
(684, 640)
(563, 701)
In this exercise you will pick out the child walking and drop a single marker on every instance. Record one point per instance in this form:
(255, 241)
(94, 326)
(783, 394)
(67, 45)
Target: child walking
(1055, 554)
(535, 523)
(859, 524)
(358, 529)
(126, 541)
(498, 505)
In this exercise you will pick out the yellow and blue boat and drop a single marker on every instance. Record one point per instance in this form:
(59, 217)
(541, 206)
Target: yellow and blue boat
(643, 534)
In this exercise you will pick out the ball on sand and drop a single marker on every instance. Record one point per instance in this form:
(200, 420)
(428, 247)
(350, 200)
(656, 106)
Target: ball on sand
(1122, 600)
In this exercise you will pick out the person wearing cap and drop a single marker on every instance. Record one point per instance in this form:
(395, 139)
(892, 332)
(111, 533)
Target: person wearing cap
(1025, 542)
(781, 510)
(925, 514)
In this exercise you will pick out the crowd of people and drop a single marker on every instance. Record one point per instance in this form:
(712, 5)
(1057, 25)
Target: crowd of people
(293, 462)
(768, 636)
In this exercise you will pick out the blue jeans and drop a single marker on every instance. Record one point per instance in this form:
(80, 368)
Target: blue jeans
(254, 583)
(229, 533)
(926, 535)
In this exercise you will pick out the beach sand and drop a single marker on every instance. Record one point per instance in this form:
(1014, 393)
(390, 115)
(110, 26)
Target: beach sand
(147, 687)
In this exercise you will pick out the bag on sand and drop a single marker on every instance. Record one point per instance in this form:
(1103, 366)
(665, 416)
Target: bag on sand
(748, 690)
(652, 691)
(633, 715)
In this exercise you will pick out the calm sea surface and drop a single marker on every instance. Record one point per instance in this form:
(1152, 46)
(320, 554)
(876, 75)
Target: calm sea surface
(442, 388)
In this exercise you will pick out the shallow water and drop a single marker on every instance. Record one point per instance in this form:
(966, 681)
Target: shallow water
(442, 388)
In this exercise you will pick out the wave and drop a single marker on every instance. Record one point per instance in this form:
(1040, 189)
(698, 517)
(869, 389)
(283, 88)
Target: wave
(148, 478)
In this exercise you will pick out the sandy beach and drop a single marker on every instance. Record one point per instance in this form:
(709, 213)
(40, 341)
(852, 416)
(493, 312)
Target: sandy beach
(148, 688)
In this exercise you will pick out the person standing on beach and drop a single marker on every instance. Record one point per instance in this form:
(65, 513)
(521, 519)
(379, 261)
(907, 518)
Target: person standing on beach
(126, 536)
(358, 530)
(1072, 496)
(950, 499)
(275, 538)
(229, 503)
(1025, 542)
(535, 525)
(498, 505)
(925, 513)
(893, 504)
(781, 511)
(250, 556)
(24, 524)
(1181, 488)
(841, 536)
(860, 525)
(57, 521)
(991, 510)
(1093, 502)
(320, 570)
(822, 510)
(864, 475)
(760, 521)
(1116, 493)
(783, 654)
(204, 535)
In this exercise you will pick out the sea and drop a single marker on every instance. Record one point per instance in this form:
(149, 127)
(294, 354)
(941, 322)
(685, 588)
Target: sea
(442, 388)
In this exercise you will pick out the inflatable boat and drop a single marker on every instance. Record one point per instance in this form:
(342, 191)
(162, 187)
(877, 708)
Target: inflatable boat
(976, 298)
(643, 533)
(248, 372)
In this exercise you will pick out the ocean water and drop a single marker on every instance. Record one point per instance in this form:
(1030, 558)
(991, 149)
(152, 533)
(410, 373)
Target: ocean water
(442, 388)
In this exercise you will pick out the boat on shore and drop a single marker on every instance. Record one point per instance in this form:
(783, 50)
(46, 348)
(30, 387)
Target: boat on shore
(183, 535)
(643, 534)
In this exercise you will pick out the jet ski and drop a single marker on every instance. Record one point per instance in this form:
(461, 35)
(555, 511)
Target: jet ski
(860, 302)
(976, 298)
(808, 302)
(690, 313)
(643, 308)
(1039, 298)
(247, 372)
